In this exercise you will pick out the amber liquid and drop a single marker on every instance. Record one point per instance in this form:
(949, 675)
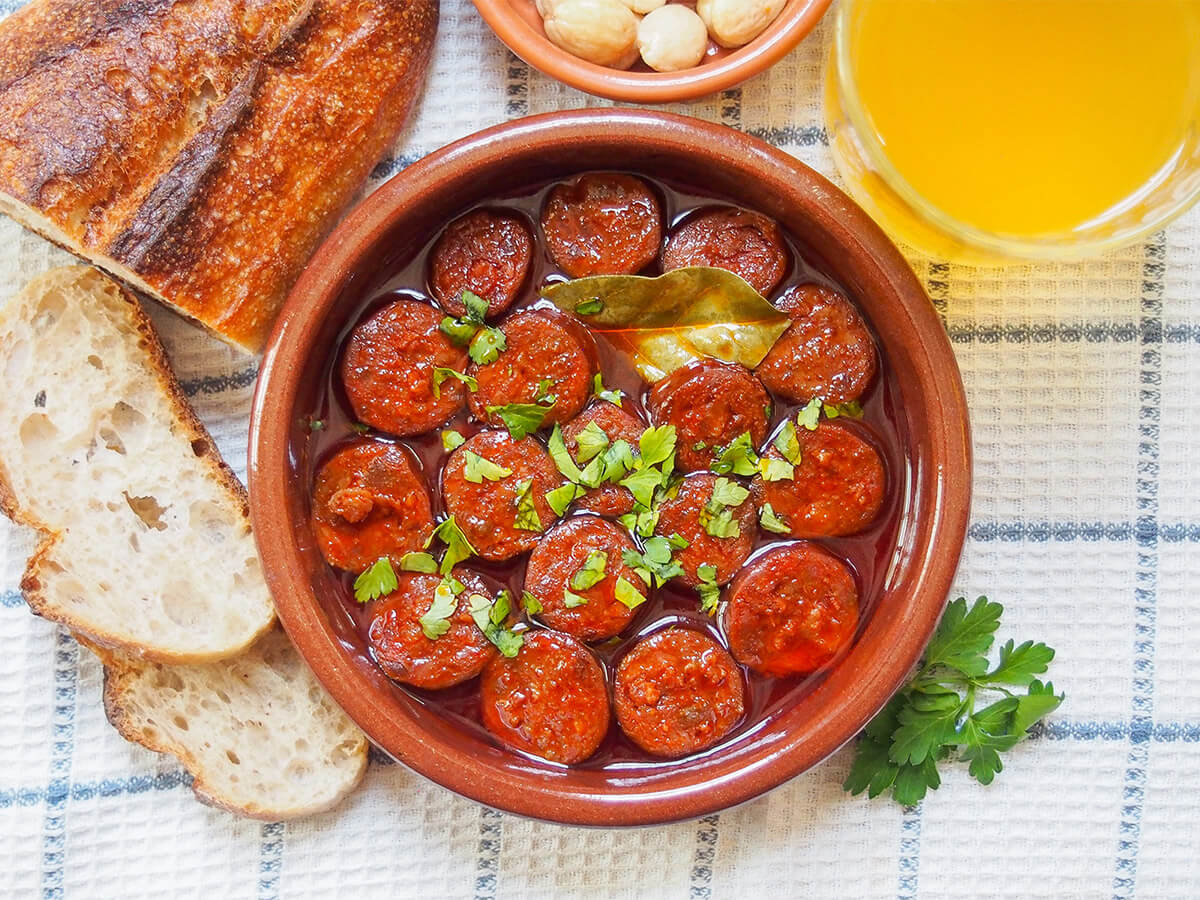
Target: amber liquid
(869, 554)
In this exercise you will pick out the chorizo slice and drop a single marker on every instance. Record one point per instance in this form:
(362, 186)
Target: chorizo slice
(369, 501)
(602, 224)
(550, 700)
(827, 351)
(791, 610)
(688, 514)
(607, 499)
(485, 252)
(837, 488)
(710, 403)
(677, 692)
(573, 574)
(507, 515)
(548, 354)
(400, 646)
(737, 240)
(388, 367)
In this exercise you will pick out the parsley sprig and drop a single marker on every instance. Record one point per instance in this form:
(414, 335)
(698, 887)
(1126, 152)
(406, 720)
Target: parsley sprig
(483, 342)
(935, 716)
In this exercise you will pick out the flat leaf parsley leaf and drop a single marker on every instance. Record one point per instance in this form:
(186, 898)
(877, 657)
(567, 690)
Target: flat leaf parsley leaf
(613, 397)
(934, 717)
(476, 469)
(521, 419)
(489, 618)
(436, 620)
(376, 581)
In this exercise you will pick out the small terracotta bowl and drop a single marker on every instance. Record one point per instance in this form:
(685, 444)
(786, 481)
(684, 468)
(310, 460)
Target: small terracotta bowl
(395, 222)
(518, 24)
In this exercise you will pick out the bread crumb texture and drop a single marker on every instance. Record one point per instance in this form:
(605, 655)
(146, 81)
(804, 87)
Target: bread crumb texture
(257, 731)
(146, 541)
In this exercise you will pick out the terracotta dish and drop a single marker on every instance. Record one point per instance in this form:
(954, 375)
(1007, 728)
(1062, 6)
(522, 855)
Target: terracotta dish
(930, 469)
(518, 24)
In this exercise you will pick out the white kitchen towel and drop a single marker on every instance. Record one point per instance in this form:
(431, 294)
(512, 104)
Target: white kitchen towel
(1084, 385)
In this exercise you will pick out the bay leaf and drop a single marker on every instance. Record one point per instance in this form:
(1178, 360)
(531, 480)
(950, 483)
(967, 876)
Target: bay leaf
(673, 319)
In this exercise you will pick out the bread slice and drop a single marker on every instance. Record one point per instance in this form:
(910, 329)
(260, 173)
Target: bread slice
(200, 151)
(257, 731)
(145, 532)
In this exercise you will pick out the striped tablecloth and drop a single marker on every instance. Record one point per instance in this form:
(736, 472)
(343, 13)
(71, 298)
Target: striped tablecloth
(1084, 384)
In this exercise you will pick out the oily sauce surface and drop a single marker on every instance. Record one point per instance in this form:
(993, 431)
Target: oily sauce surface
(869, 554)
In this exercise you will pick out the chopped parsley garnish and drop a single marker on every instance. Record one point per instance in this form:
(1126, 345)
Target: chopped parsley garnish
(641, 522)
(521, 419)
(613, 397)
(572, 600)
(563, 496)
(657, 446)
(532, 604)
(642, 484)
(628, 594)
(458, 548)
(489, 618)
(418, 562)
(441, 373)
(451, 439)
(359, 427)
(527, 517)
(787, 443)
(476, 469)
(775, 469)
(589, 307)
(436, 620)
(655, 565)
(717, 515)
(376, 581)
(316, 424)
(591, 573)
(737, 457)
(810, 416)
(853, 409)
(483, 342)
(592, 441)
(934, 716)
(771, 521)
(562, 456)
(708, 589)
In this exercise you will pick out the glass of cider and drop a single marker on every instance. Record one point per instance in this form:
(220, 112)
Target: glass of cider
(990, 130)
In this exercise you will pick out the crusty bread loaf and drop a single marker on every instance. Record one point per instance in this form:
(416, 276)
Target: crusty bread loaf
(257, 731)
(146, 543)
(200, 151)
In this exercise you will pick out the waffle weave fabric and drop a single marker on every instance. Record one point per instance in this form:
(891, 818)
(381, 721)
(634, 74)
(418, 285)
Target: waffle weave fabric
(1084, 388)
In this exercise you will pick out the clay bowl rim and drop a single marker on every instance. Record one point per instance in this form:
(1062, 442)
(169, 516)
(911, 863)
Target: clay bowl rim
(794, 22)
(933, 526)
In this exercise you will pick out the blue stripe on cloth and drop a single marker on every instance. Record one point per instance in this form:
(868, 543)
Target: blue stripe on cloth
(792, 135)
(218, 384)
(704, 857)
(487, 864)
(54, 822)
(1045, 333)
(270, 860)
(1146, 574)
(11, 600)
(910, 853)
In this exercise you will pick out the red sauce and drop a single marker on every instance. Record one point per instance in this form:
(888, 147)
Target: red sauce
(869, 554)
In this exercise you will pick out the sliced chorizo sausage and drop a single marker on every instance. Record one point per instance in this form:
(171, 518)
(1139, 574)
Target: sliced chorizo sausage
(836, 489)
(608, 499)
(740, 241)
(368, 502)
(827, 351)
(710, 403)
(692, 515)
(791, 610)
(388, 369)
(548, 355)
(677, 692)
(407, 654)
(602, 224)
(573, 574)
(550, 700)
(507, 515)
(485, 252)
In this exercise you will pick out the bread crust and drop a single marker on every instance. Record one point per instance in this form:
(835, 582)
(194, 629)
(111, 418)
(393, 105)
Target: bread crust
(202, 445)
(207, 187)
